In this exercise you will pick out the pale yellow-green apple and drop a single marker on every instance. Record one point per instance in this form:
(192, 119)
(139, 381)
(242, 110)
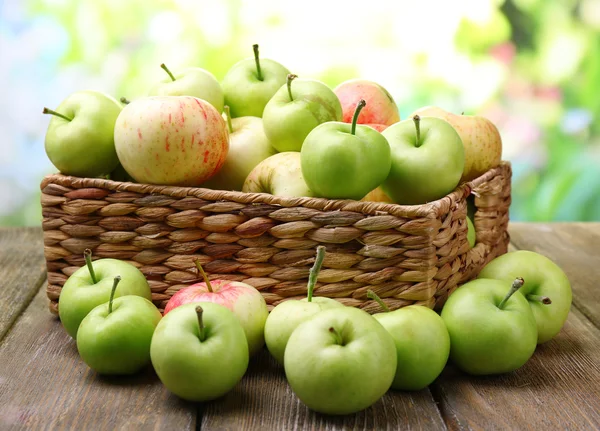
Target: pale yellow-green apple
(250, 84)
(171, 140)
(297, 108)
(79, 140)
(480, 138)
(191, 81)
(280, 175)
(248, 146)
(377, 195)
(380, 110)
(427, 160)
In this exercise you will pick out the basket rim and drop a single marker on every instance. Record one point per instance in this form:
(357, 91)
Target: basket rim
(431, 209)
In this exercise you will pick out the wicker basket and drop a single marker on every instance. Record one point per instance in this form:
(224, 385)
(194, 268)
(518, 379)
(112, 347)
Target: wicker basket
(406, 254)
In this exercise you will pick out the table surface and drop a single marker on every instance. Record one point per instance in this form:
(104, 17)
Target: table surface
(44, 384)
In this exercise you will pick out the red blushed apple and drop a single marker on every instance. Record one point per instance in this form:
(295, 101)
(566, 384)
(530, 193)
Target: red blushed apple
(380, 108)
(244, 300)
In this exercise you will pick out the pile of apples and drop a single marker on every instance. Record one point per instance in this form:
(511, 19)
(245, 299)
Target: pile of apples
(337, 359)
(264, 130)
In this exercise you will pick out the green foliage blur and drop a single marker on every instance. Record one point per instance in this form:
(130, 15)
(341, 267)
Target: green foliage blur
(531, 66)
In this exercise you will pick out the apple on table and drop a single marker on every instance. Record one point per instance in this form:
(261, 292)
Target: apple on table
(246, 303)
(80, 137)
(114, 338)
(278, 175)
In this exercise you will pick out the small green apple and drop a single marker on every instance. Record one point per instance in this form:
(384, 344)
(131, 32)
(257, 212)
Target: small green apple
(546, 287)
(422, 344)
(286, 316)
(91, 285)
(199, 351)
(114, 338)
(345, 161)
(248, 146)
(251, 83)
(297, 109)
(79, 140)
(192, 81)
(340, 361)
(427, 160)
(279, 175)
(491, 332)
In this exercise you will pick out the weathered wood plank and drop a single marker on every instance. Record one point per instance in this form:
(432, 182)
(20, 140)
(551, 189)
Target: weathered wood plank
(575, 247)
(558, 388)
(264, 401)
(23, 270)
(44, 384)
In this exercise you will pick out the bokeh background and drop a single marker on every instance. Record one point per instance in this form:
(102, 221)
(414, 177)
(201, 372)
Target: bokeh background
(531, 66)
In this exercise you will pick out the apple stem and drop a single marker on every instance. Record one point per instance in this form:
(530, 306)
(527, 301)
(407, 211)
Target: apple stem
(125, 100)
(199, 311)
(372, 295)
(87, 254)
(290, 78)
(417, 121)
(314, 271)
(517, 284)
(166, 69)
(204, 276)
(228, 115)
(539, 298)
(58, 114)
(112, 293)
(259, 74)
(338, 337)
(361, 104)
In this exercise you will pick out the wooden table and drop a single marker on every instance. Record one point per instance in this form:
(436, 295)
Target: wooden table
(44, 384)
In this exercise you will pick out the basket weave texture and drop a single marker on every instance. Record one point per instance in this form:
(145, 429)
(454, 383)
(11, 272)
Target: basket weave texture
(406, 254)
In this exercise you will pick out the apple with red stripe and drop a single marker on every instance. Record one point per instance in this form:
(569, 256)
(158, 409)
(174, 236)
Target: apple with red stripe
(380, 110)
(244, 300)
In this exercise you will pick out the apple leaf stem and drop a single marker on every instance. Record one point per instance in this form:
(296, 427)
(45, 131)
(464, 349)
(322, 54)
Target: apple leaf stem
(290, 78)
(204, 276)
(361, 104)
(372, 295)
(125, 100)
(87, 254)
(57, 114)
(199, 311)
(166, 69)
(228, 115)
(517, 284)
(314, 272)
(259, 74)
(338, 338)
(112, 293)
(417, 121)
(539, 298)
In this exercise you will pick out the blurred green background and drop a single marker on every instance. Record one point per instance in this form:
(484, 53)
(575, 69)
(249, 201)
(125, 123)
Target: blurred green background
(531, 66)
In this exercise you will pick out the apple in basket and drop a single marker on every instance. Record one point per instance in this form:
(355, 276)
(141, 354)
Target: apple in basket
(244, 300)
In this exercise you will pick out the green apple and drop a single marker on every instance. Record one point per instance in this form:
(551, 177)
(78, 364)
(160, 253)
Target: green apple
(251, 83)
(491, 332)
(171, 140)
(79, 140)
(297, 109)
(345, 161)
(546, 287)
(480, 137)
(114, 338)
(471, 234)
(287, 315)
(248, 146)
(340, 361)
(279, 175)
(422, 343)
(192, 81)
(427, 160)
(91, 285)
(199, 351)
